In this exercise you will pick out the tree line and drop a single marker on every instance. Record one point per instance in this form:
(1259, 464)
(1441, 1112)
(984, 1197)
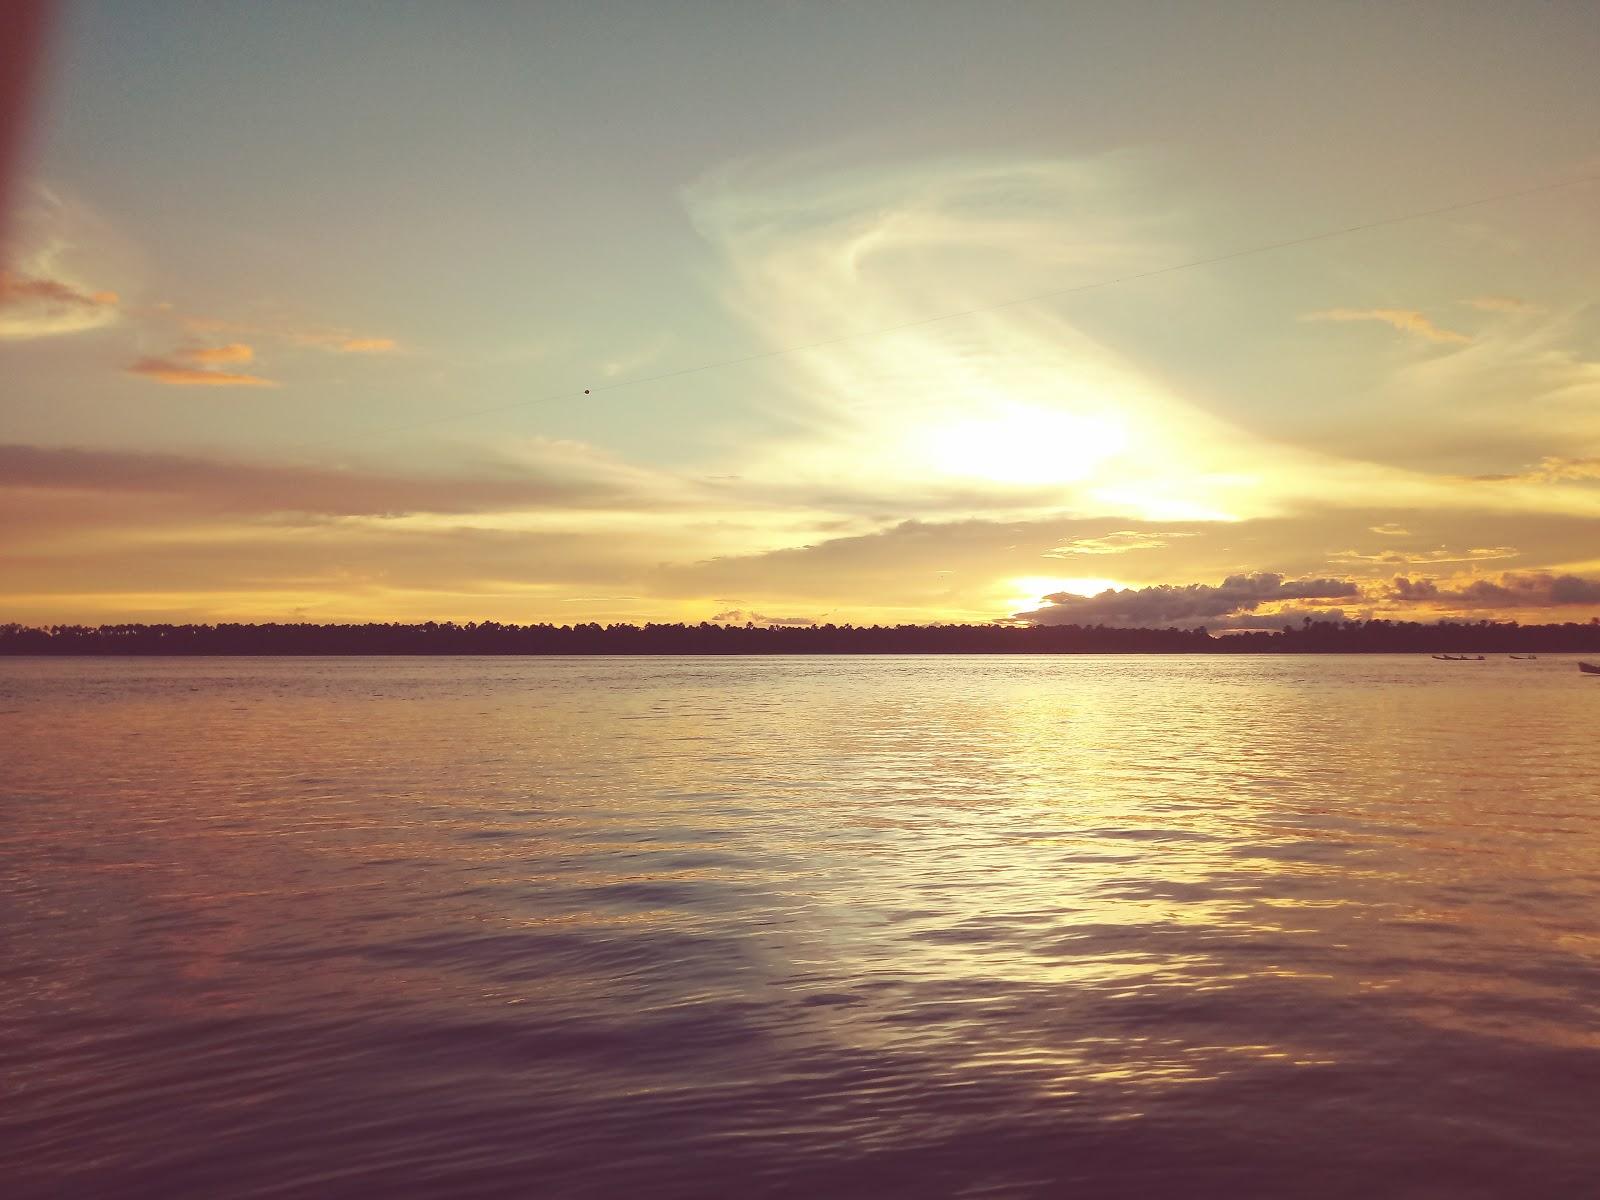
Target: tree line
(493, 637)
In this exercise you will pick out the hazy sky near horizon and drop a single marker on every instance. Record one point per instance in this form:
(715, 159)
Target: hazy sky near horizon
(302, 302)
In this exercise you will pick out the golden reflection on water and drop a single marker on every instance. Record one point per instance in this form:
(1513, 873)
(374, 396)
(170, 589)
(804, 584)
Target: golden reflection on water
(1101, 882)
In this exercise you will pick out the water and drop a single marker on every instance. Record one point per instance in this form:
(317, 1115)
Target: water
(799, 927)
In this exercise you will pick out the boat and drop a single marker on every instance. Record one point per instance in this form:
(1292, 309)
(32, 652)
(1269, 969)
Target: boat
(1459, 657)
(1525, 657)
(1589, 668)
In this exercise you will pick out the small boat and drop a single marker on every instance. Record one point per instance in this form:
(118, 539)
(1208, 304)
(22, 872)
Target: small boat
(1589, 668)
(1459, 657)
(1525, 657)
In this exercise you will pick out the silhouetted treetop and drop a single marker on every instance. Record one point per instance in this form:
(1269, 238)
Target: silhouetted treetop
(492, 637)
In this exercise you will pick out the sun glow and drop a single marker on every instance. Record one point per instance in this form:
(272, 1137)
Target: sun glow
(1025, 444)
(1028, 591)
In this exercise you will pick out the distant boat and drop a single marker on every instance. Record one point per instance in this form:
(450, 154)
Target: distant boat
(1589, 668)
(1525, 657)
(1459, 657)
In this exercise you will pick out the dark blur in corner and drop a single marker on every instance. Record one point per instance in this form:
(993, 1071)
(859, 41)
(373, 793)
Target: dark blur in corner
(23, 28)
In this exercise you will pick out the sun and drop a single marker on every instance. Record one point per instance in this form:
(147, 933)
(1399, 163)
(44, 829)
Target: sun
(1023, 592)
(1025, 445)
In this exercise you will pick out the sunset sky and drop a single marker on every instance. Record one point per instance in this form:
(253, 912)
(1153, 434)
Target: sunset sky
(302, 303)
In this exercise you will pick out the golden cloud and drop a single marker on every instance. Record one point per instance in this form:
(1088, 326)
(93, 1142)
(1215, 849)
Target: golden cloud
(1412, 557)
(1119, 542)
(1406, 320)
(1551, 469)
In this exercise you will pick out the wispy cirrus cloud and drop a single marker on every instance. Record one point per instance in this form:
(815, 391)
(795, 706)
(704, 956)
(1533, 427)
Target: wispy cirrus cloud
(1120, 542)
(1502, 304)
(1406, 320)
(1412, 557)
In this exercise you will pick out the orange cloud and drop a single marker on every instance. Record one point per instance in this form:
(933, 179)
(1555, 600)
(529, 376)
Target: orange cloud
(166, 370)
(1406, 320)
(345, 343)
(233, 352)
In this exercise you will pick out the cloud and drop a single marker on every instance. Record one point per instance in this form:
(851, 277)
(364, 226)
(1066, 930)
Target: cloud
(233, 352)
(1397, 557)
(1120, 542)
(1279, 617)
(34, 306)
(1389, 529)
(1187, 604)
(1014, 406)
(513, 534)
(738, 616)
(1540, 589)
(1406, 320)
(344, 342)
(1552, 469)
(207, 486)
(181, 374)
(367, 345)
(1501, 304)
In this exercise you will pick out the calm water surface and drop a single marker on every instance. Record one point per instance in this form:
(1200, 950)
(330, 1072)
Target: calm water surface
(1082, 926)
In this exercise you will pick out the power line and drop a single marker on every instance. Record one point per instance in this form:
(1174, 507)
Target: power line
(1035, 297)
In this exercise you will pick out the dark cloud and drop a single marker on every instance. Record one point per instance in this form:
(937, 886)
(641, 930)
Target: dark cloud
(1280, 617)
(1541, 589)
(1185, 604)
(919, 562)
(213, 487)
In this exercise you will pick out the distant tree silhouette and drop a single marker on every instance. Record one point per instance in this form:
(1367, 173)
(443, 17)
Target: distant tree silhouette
(492, 637)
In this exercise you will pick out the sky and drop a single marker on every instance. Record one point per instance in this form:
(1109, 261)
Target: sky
(1219, 314)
